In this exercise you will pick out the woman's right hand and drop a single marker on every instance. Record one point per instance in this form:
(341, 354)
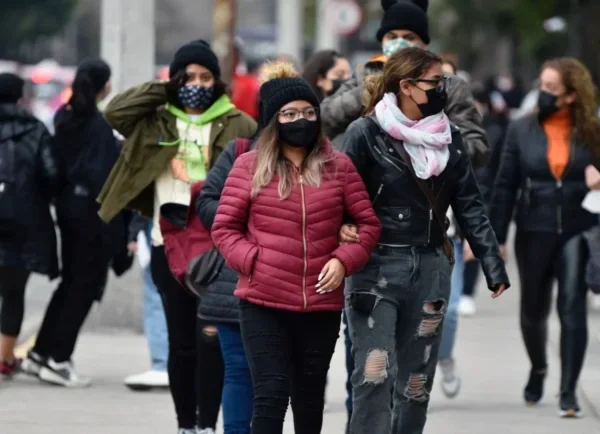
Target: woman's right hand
(348, 234)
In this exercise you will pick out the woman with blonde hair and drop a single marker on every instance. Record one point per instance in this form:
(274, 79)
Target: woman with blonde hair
(545, 158)
(415, 166)
(277, 225)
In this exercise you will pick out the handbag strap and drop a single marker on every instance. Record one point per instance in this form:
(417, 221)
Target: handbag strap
(425, 189)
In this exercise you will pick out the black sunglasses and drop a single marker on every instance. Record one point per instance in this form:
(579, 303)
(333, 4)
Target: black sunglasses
(440, 83)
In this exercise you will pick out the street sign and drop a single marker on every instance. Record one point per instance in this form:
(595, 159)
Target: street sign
(346, 16)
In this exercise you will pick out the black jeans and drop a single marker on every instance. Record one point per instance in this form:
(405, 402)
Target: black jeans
(12, 290)
(85, 263)
(289, 355)
(541, 258)
(195, 364)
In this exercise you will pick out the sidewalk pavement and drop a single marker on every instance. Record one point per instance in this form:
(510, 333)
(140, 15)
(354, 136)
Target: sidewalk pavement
(489, 353)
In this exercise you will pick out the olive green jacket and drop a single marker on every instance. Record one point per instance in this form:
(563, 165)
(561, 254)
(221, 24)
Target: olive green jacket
(140, 115)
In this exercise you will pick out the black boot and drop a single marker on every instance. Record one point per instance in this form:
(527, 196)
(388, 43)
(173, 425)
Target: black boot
(535, 387)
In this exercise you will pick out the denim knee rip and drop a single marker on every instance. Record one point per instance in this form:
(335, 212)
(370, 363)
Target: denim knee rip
(376, 367)
(433, 314)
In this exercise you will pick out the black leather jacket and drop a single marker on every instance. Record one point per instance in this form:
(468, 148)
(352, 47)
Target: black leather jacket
(403, 209)
(543, 203)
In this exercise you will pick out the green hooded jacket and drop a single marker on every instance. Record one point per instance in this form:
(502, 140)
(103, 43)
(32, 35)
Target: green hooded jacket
(141, 115)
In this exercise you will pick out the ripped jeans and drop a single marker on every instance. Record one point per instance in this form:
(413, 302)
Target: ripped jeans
(396, 346)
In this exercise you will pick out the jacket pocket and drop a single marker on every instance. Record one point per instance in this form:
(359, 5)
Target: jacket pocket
(400, 213)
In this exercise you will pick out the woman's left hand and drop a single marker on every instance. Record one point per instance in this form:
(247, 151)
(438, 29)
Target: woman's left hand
(499, 290)
(331, 276)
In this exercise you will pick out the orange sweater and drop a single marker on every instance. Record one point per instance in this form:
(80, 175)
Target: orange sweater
(558, 128)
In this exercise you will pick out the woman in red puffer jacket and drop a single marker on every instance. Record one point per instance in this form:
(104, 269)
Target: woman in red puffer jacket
(277, 224)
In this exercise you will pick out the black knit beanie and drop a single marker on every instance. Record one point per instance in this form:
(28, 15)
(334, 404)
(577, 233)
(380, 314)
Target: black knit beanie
(282, 86)
(195, 52)
(405, 15)
(11, 88)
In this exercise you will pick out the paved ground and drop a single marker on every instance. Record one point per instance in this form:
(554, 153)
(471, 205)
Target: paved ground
(489, 351)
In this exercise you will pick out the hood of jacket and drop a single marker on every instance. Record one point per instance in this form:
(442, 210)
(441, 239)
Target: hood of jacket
(15, 121)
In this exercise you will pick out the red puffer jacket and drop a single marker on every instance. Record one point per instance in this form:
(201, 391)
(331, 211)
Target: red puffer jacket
(279, 247)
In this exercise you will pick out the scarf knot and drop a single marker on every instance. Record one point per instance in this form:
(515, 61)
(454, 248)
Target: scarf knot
(426, 141)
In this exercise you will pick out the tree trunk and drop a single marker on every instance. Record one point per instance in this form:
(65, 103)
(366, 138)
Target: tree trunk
(223, 37)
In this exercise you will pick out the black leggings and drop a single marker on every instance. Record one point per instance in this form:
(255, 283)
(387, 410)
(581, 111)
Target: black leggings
(471, 275)
(289, 355)
(12, 289)
(195, 362)
(541, 258)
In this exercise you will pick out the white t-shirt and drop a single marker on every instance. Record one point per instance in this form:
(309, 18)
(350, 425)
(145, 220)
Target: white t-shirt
(168, 187)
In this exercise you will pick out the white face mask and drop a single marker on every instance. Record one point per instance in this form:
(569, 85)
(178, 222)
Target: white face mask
(394, 45)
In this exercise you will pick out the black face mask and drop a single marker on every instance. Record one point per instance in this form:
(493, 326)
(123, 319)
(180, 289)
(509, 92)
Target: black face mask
(436, 102)
(547, 104)
(335, 85)
(299, 134)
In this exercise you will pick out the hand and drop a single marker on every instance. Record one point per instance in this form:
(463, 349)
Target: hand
(467, 252)
(331, 276)
(132, 246)
(499, 290)
(592, 177)
(348, 234)
(179, 170)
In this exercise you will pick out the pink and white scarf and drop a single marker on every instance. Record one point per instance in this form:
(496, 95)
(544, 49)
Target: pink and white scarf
(426, 141)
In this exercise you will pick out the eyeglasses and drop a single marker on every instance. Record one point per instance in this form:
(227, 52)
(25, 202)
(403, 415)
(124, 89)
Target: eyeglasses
(440, 83)
(291, 115)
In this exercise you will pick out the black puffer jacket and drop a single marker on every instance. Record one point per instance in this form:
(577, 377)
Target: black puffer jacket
(404, 210)
(37, 184)
(544, 204)
(218, 302)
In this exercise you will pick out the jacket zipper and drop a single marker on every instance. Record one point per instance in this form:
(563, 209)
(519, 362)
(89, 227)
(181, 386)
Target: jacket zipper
(559, 187)
(304, 243)
(377, 195)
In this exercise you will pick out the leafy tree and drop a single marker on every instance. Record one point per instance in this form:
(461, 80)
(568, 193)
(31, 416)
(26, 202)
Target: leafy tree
(25, 21)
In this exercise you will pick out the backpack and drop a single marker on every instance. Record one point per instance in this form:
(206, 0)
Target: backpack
(9, 214)
(193, 259)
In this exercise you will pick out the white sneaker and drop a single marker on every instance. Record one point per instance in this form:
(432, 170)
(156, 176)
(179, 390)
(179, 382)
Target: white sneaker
(62, 374)
(148, 380)
(595, 302)
(466, 306)
(450, 378)
(186, 431)
(206, 431)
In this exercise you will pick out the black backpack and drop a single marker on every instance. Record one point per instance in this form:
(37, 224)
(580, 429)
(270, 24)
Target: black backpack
(9, 216)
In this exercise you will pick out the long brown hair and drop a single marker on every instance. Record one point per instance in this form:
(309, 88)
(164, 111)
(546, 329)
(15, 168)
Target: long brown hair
(408, 63)
(270, 159)
(578, 80)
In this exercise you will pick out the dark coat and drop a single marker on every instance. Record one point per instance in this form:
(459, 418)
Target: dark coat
(35, 248)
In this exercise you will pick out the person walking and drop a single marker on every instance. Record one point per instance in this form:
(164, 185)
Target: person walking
(155, 323)
(277, 225)
(415, 167)
(28, 184)
(545, 157)
(86, 150)
(175, 131)
(405, 24)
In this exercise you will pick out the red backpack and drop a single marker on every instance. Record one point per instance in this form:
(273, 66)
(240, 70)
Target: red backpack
(191, 254)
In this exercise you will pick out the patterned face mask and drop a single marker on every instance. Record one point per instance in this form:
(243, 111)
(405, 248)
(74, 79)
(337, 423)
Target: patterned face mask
(196, 97)
(394, 45)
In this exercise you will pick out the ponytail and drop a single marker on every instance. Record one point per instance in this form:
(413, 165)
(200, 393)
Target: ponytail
(83, 99)
(374, 91)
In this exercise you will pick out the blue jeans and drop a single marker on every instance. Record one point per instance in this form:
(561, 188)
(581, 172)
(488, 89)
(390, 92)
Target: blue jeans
(155, 323)
(238, 395)
(456, 290)
(349, 364)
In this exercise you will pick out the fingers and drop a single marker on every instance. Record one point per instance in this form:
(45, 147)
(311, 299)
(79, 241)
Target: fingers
(330, 280)
(348, 234)
(499, 291)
